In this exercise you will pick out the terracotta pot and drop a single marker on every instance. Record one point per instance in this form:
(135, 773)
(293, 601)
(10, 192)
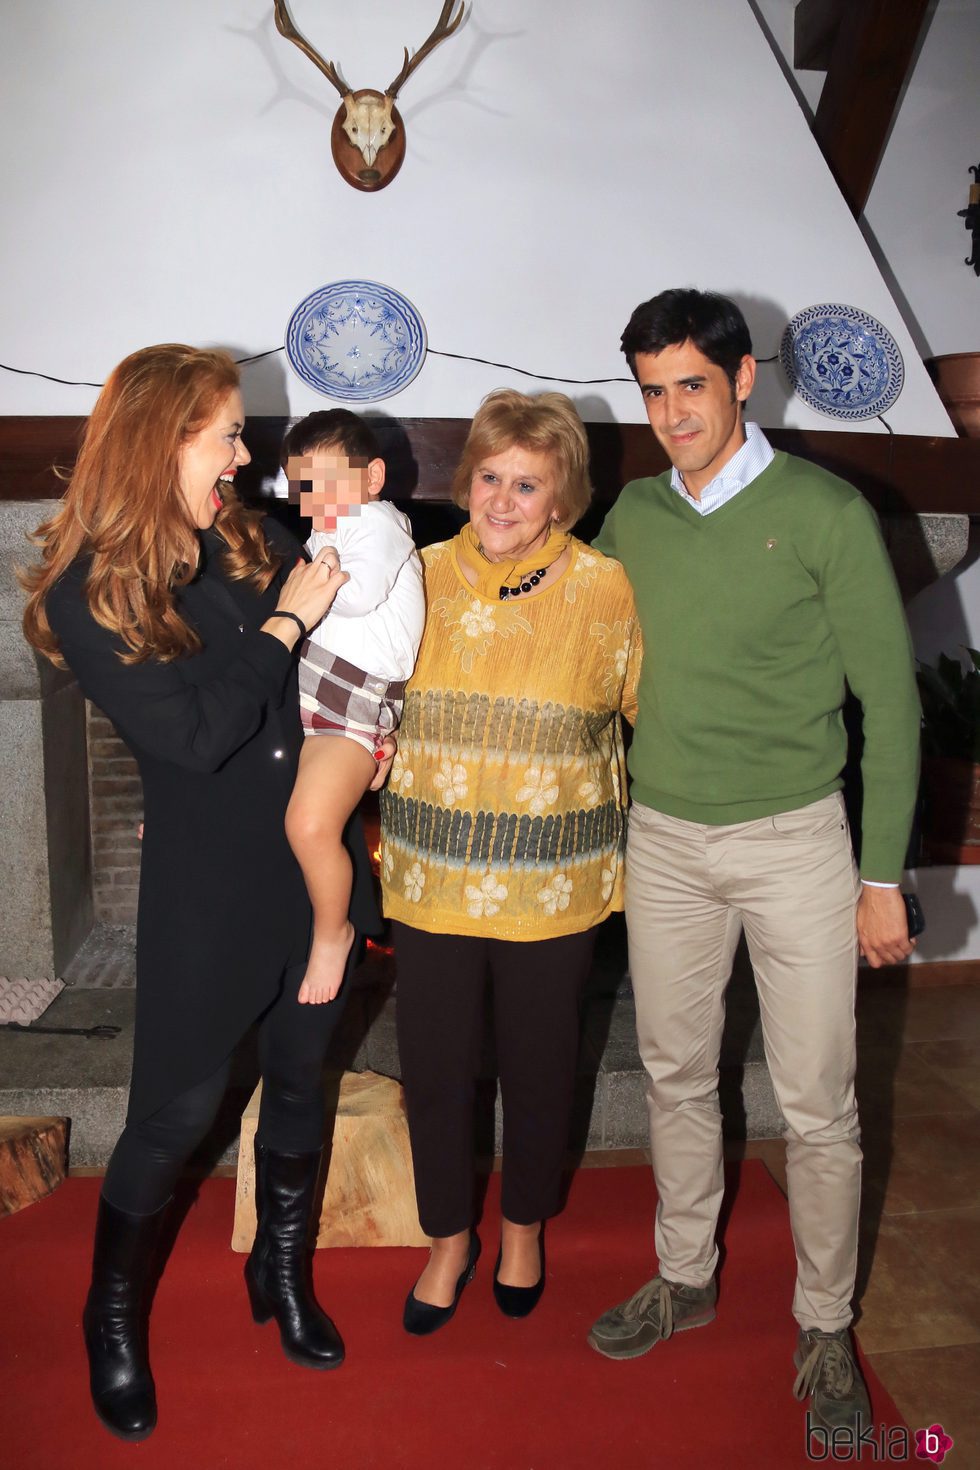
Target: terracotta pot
(957, 379)
(952, 826)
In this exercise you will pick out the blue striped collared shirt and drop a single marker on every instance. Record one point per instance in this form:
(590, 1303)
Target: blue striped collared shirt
(755, 455)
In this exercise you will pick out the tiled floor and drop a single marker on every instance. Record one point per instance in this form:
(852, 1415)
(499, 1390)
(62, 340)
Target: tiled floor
(107, 959)
(919, 1271)
(919, 1084)
(919, 1276)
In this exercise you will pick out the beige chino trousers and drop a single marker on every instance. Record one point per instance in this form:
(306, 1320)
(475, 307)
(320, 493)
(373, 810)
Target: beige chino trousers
(790, 883)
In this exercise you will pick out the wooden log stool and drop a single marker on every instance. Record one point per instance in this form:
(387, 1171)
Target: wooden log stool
(33, 1156)
(370, 1192)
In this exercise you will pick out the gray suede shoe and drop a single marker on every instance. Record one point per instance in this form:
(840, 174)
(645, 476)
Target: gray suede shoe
(829, 1375)
(652, 1314)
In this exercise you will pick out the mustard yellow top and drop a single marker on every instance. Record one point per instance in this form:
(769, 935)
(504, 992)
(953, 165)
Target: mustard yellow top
(505, 811)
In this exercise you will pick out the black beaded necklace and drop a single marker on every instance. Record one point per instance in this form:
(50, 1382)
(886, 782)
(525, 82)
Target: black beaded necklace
(531, 581)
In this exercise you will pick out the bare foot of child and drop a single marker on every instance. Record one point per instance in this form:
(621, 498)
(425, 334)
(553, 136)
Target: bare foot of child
(325, 967)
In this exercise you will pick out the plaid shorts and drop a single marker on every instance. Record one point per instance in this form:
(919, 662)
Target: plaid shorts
(338, 698)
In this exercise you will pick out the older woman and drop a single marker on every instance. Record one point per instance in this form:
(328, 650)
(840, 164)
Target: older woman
(503, 832)
(179, 612)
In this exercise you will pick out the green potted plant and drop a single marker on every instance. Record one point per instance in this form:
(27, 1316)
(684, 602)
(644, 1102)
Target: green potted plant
(951, 757)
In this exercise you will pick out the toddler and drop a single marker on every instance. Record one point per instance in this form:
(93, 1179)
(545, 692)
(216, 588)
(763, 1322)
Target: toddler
(353, 667)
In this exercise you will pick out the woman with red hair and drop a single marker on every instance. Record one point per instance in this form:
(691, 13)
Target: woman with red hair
(179, 611)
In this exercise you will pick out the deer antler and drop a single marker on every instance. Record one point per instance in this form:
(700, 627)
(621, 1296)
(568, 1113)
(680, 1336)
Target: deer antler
(443, 28)
(286, 29)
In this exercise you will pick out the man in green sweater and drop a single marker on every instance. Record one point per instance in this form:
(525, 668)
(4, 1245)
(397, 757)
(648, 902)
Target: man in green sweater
(763, 588)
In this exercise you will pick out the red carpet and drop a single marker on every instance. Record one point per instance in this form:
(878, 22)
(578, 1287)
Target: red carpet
(485, 1393)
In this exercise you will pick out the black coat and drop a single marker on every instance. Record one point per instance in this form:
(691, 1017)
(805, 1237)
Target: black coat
(223, 908)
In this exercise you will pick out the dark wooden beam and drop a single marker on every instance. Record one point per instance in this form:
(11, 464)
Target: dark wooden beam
(872, 55)
(815, 27)
(898, 473)
(30, 448)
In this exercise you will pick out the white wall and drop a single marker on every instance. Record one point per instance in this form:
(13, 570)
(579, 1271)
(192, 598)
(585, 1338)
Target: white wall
(777, 18)
(924, 179)
(166, 175)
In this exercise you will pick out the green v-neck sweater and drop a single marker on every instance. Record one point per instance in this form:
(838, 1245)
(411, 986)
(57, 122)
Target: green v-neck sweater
(753, 619)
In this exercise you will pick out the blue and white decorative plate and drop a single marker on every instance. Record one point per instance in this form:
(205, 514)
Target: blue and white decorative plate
(842, 361)
(357, 341)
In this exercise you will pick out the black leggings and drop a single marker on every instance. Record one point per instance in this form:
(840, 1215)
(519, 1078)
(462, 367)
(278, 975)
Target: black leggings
(293, 1039)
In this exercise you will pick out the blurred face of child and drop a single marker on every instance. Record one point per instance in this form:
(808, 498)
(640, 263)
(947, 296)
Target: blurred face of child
(327, 484)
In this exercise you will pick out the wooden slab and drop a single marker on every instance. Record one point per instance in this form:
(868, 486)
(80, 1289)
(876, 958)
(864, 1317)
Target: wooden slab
(370, 1192)
(899, 473)
(33, 1154)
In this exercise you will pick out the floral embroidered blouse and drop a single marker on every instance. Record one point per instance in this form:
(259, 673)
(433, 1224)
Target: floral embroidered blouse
(505, 810)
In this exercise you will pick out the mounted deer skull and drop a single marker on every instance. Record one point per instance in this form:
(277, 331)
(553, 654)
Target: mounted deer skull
(369, 121)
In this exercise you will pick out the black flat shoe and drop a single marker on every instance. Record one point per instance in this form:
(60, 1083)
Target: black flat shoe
(518, 1301)
(421, 1318)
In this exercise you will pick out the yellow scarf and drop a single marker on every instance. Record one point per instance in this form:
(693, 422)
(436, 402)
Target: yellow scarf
(492, 575)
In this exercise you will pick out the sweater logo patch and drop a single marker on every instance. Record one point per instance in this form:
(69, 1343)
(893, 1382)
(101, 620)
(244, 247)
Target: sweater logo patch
(771, 543)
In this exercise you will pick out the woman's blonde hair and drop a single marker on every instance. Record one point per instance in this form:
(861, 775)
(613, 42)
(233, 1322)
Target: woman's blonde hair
(547, 423)
(124, 508)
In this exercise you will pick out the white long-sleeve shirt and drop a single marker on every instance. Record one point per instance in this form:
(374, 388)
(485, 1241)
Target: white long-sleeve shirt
(377, 617)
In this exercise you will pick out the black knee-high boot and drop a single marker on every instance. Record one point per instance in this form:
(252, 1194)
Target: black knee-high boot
(279, 1271)
(116, 1319)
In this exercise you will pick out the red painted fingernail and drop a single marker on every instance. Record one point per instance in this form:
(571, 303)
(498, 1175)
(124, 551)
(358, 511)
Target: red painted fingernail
(380, 755)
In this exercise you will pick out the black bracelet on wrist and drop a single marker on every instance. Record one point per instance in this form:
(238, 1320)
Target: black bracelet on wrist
(303, 630)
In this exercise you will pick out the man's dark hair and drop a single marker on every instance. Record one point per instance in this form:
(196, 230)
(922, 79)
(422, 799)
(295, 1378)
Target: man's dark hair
(713, 323)
(331, 428)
